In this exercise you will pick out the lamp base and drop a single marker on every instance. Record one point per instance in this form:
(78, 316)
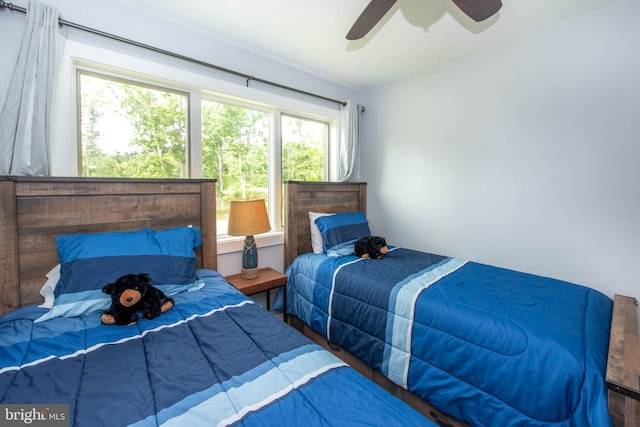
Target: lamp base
(250, 273)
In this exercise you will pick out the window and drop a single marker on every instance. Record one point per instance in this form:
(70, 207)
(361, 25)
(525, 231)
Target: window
(304, 144)
(235, 144)
(136, 129)
(131, 130)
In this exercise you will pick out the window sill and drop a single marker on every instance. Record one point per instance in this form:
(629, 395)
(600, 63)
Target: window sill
(230, 244)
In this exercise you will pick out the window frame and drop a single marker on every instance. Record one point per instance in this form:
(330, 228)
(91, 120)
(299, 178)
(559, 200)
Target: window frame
(91, 59)
(84, 70)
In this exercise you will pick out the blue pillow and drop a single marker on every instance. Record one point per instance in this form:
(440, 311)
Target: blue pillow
(340, 232)
(90, 261)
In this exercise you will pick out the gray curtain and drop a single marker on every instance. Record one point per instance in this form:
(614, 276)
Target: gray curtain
(25, 111)
(349, 142)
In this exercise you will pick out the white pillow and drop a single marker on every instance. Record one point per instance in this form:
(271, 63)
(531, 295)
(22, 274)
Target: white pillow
(316, 237)
(49, 287)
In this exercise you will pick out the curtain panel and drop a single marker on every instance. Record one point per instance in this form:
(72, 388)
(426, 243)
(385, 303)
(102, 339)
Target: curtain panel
(349, 142)
(25, 111)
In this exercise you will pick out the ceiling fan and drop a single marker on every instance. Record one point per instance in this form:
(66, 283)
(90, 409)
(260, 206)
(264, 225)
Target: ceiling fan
(478, 10)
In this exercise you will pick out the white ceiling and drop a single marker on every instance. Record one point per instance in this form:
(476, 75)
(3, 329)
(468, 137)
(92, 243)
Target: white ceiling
(310, 34)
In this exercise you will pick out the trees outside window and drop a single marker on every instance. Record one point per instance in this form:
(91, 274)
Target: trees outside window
(235, 151)
(304, 145)
(129, 129)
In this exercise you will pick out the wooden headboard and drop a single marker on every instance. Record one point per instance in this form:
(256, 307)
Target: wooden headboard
(35, 210)
(304, 197)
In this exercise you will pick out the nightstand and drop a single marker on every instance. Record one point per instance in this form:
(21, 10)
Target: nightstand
(267, 280)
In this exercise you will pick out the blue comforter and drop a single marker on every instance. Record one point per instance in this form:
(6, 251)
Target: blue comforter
(490, 346)
(216, 358)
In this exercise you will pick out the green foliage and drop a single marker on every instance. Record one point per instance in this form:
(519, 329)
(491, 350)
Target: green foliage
(158, 122)
(159, 146)
(303, 149)
(235, 140)
(235, 151)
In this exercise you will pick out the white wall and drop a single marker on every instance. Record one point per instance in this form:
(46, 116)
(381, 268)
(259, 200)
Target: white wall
(140, 28)
(104, 17)
(525, 155)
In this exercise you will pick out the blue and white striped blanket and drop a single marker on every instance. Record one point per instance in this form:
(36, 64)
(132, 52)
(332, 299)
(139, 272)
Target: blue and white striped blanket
(216, 358)
(487, 345)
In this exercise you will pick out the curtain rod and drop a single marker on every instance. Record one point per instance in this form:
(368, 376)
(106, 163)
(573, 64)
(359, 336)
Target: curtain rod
(247, 77)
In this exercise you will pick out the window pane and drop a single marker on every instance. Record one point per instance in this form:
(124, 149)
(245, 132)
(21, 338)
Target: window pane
(235, 151)
(128, 130)
(303, 149)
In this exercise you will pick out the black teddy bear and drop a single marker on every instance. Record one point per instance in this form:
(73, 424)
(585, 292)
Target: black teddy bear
(373, 247)
(130, 293)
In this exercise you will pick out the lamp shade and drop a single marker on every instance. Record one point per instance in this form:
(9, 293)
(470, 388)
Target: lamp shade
(248, 217)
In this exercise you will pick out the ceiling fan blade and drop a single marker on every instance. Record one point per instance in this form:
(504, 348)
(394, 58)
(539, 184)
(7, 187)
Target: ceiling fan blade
(369, 17)
(479, 10)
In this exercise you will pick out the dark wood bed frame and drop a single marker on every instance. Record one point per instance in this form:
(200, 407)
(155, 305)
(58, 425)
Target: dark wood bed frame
(623, 366)
(35, 210)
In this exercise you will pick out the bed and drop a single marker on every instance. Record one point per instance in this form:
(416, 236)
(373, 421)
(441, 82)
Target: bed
(464, 342)
(215, 358)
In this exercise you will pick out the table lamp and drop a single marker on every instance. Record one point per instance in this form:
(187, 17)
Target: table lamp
(246, 218)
